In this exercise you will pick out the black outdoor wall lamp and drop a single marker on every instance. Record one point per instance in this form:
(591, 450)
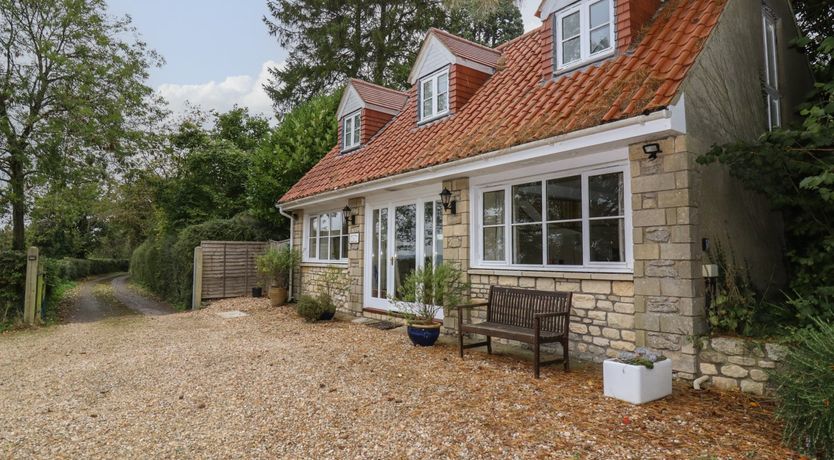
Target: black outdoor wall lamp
(448, 203)
(349, 216)
(652, 150)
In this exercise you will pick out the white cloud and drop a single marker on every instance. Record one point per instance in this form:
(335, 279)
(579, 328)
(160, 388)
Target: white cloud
(243, 90)
(528, 14)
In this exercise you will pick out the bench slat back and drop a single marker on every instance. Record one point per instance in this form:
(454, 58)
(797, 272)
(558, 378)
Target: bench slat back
(516, 307)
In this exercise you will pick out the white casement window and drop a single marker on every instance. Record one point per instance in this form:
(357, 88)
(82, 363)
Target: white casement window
(327, 238)
(434, 95)
(584, 31)
(352, 131)
(575, 221)
(771, 72)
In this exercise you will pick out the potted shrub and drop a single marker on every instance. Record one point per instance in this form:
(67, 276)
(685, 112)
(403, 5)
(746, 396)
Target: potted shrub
(637, 377)
(278, 264)
(422, 294)
(309, 308)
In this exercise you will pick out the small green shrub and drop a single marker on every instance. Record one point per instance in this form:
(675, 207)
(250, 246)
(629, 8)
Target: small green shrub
(12, 281)
(736, 303)
(425, 291)
(277, 263)
(326, 304)
(309, 308)
(805, 389)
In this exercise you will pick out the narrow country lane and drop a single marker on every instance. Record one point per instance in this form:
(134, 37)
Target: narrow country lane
(108, 296)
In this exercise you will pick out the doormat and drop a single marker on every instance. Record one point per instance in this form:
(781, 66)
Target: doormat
(384, 325)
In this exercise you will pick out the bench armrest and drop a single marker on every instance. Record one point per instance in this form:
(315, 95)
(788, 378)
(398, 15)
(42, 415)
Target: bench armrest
(472, 305)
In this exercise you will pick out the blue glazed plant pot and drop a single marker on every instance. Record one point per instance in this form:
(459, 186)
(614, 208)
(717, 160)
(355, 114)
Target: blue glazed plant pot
(423, 335)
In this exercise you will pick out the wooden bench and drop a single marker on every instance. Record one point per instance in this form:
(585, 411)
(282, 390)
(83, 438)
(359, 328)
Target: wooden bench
(528, 316)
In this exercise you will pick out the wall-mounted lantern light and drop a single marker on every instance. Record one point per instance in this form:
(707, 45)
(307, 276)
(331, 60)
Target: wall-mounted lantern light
(448, 203)
(651, 150)
(349, 216)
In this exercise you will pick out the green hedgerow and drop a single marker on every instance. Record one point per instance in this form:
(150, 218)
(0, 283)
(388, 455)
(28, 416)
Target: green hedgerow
(805, 388)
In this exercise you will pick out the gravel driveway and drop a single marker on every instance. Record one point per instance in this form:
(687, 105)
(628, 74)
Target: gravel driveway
(108, 296)
(194, 385)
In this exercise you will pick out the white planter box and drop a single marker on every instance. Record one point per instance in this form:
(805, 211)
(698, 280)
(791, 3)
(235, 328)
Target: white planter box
(637, 384)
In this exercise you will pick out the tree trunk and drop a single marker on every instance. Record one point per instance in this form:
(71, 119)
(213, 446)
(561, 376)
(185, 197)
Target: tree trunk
(17, 186)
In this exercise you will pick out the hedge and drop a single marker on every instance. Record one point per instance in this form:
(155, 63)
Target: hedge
(57, 271)
(164, 264)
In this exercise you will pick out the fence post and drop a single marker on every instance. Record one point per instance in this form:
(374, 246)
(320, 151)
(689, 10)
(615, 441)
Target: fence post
(31, 290)
(197, 284)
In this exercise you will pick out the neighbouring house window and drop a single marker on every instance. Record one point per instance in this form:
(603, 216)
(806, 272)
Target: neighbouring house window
(573, 221)
(771, 72)
(327, 237)
(434, 95)
(352, 131)
(584, 31)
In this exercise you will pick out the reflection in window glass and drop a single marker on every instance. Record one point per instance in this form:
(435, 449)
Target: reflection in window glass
(527, 244)
(564, 243)
(564, 198)
(607, 240)
(442, 92)
(438, 233)
(527, 203)
(313, 240)
(493, 243)
(606, 195)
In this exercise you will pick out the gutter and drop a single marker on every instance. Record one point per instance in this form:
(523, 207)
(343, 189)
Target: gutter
(292, 228)
(671, 120)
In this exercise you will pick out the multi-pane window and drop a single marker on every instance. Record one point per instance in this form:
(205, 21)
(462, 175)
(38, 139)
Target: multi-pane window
(327, 237)
(352, 131)
(584, 31)
(771, 76)
(566, 221)
(434, 95)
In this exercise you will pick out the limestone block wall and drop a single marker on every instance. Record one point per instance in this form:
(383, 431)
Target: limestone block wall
(734, 363)
(602, 319)
(668, 281)
(456, 238)
(313, 283)
(356, 258)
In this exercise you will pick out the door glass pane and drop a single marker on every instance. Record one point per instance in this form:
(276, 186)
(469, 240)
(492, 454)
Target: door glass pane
(428, 237)
(527, 244)
(493, 243)
(607, 240)
(405, 243)
(438, 233)
(527, 202)
(600, 39)
(344, 239)
(564, 198)
(564, 243)
(606, 195)
(600, 13)
(324, 236)
(383, 253)
(336, 222)
(375, 255)
(494, 207)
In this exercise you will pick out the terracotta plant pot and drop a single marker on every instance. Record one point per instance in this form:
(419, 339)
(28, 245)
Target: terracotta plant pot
(278, 296)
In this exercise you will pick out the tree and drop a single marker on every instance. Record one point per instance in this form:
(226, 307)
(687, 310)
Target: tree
(241, 128)
(72, 93)
(376, 40)
(488, 26)
(816, 19)
(304, 136)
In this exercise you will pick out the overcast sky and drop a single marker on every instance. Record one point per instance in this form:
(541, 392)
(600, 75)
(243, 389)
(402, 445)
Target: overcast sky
(217, 52)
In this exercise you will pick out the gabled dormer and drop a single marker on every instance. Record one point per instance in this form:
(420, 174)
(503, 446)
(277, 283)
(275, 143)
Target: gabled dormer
(365, 108)
(447, 72)
(576, 33)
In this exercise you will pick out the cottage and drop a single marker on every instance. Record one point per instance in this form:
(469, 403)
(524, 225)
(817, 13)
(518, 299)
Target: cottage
(563, 160)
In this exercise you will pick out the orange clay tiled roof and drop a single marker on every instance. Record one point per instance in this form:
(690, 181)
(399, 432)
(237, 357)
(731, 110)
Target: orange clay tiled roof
(467, 49)
(513, 107)
(380, 95)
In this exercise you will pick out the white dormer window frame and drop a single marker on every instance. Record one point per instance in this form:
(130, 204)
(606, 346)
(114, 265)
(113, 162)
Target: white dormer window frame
(771, 70)
(352, 131)
(433, 102)
(585, 33)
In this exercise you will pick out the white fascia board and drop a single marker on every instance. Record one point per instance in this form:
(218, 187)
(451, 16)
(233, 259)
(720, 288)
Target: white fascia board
(667, 122)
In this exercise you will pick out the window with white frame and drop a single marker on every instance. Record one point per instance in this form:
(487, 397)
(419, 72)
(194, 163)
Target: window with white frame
(565, 221)
(434, 95)
(771, 79)
(352, 131)
(584, 31)
(327, 237)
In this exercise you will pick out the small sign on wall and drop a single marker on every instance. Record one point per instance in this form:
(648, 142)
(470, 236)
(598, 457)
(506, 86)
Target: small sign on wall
(354, 238)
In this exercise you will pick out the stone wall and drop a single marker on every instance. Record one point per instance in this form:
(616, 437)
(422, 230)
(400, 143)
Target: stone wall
(739, 364)
(313, 282)
(356, 257)
(602, 320)
(668, 282)
(456, 239)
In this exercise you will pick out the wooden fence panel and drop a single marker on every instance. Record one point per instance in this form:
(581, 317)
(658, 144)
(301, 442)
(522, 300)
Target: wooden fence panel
(229, 267)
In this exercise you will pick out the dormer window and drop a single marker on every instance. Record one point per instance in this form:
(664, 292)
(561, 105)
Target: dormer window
(584, 32)
(352, 131)
(434, 95)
